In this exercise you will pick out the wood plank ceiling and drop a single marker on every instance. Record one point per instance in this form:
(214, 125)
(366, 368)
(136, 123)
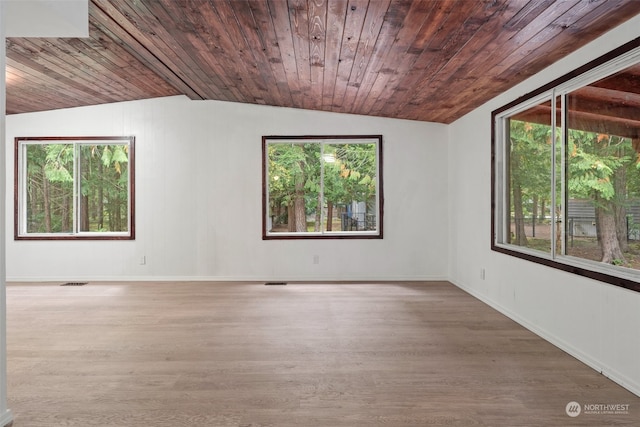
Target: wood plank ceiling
(432, 60)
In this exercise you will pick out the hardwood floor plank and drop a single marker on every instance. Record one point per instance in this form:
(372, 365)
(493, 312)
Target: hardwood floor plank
(245, 354)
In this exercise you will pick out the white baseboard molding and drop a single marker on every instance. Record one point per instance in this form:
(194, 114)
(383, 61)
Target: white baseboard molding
(595, 364)
(284, 278)
(6, 419)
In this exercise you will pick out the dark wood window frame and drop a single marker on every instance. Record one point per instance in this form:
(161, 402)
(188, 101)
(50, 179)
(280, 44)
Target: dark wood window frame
(130, 235)
(378, 234)
(580, 270)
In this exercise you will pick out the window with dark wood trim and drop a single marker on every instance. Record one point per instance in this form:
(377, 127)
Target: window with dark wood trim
(566, 172)
(318, 187)
(74, 188)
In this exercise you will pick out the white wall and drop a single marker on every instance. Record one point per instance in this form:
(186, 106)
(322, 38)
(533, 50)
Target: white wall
(5, 413)
(198, 204)
(47, 18)
(27, 18)
(596, 322)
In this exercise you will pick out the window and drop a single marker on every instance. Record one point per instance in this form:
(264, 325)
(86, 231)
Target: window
(74, 188)
(322, 187)
(566, 172)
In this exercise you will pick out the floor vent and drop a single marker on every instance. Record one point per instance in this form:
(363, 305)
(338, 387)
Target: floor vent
(74, 284)
(276, 284)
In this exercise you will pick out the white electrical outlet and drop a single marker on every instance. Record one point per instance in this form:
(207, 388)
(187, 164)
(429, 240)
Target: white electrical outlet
(482, 273)
(316, 259)
(143, 260)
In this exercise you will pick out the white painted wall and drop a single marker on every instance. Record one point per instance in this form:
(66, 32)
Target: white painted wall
(47, 18)
(27, 18)
(5, 414)
(198, 204)
(598, 323)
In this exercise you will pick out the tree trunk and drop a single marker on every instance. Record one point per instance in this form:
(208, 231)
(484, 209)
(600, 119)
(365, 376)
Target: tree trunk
(620, 209)
(606, 225)
(318, 224)
(32, 194)
(100, 200)
(46, 200)
(114, 212)
(598, 232)
(277, 213)
(534, 215)
(298, 207)
(518, 213)
(66, 212)
(291, 218)
(298, 202)
(520, 237)
(84, 213)
(620, 216)
(329, 216)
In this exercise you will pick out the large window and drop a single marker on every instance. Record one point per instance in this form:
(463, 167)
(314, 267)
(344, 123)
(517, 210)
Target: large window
(567, 172)
(322, 187)
(72, 188)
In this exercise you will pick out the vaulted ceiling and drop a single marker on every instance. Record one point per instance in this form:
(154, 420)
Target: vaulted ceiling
(431, 60)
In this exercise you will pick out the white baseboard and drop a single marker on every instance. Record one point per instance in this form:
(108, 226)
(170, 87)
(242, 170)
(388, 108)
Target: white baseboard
(6, 419)
(284, 278)
(595, 364)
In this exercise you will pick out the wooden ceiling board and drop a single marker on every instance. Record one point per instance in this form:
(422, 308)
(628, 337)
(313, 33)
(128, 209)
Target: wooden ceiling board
(397, 72)
(553, 43)
(121, 26)
(354, 23)
(298, 21)
(256, 15)
(473, 82)
(368, 44)
(429, 60)
(336, 17)
(284, 42)
(43, 74)
(396, 61)
(253, 83)
(437, 51)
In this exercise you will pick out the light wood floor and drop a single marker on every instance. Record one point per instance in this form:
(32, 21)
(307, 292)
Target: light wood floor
(239, 354)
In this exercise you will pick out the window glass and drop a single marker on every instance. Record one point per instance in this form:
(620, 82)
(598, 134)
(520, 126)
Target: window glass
(531, 206)
(104, 188)
(322, 187)
(566, 172)
(603, 191)
(49, 188)
(350, 187)
(74, 188)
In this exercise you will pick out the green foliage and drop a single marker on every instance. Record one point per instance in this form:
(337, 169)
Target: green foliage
(59, 162)
(530, 160)
(601, 168)
(593, 160)
(352, 176)
(343, 172)
(104, 186)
